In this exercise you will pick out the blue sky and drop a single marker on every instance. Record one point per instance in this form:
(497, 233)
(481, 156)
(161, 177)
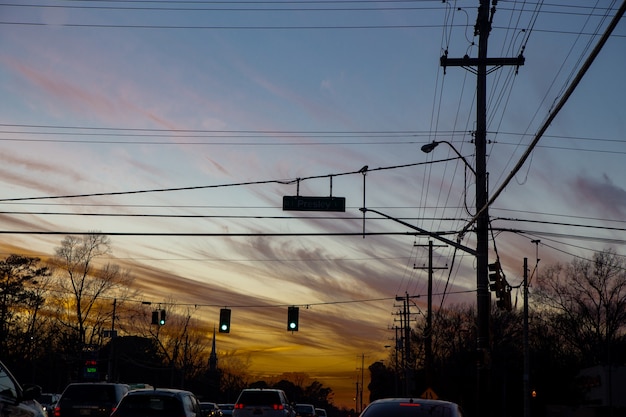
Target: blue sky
(191, 99)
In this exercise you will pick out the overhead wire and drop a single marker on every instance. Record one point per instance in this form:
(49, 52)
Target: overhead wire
(225, 185)
(552, 115)
(446, 193)
(435, 122)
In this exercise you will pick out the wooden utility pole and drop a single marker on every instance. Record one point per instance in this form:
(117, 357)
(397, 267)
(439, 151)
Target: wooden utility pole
(483, 296)
(526, 381)
(428, 330)
(407, 357)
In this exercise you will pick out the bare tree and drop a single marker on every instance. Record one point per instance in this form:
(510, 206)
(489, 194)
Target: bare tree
(19, 304)
(181, 340)
(589, 299)
(235, 368)
(88, 283)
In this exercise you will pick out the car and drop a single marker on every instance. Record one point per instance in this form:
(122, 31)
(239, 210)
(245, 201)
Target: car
(226, 409)
(262, 402)
(210, 409)
(411, 407)
(48, 401)
(321, 412)
(158, 402)
(15, 400)
(305, 410)
(89, 399)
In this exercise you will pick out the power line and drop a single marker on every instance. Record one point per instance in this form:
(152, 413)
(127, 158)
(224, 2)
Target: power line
(238, 184)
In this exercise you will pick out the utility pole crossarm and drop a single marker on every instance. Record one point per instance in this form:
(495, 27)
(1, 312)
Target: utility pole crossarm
(466, 61)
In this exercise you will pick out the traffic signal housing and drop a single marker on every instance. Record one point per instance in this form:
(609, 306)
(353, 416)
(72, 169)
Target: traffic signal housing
(496, 281)
(162, 320)
(292, 318)
(224, 320)
(155, 317)
(500, 287)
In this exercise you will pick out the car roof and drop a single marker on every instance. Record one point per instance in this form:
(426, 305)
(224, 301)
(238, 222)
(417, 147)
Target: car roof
(414, 400)
(97, 383)
(262, 389)
(157, 391)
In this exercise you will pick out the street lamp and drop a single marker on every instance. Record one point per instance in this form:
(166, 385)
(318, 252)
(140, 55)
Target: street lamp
(483, 296)
(429, 147)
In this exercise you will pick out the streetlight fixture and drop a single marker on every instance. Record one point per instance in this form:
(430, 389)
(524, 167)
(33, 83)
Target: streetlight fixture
(429, 147)
(483, 296)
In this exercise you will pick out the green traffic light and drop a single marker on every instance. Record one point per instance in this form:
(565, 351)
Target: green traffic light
(224, 320)
(292, 318)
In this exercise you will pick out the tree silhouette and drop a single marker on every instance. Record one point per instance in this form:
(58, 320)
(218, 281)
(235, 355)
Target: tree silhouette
(19, 304)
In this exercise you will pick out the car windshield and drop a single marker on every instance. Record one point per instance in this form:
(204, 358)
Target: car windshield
(141, 405)
(407, 409)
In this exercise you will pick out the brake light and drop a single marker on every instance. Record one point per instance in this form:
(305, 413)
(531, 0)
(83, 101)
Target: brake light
(57, 411)
(239, 406)
(278, 407)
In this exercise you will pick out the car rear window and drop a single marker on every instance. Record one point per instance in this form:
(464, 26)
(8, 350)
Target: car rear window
(143, 405)
(259, 398)
(90, 394)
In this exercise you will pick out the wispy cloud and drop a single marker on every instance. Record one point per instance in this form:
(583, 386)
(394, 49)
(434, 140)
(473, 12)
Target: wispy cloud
(602, 194)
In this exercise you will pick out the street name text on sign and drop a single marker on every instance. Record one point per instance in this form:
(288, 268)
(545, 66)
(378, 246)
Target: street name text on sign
(301, 203)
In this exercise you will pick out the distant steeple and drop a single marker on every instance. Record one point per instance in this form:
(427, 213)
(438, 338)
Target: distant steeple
(213, 355)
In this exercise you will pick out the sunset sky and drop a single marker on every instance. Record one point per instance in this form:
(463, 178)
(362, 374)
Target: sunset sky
(177, 128)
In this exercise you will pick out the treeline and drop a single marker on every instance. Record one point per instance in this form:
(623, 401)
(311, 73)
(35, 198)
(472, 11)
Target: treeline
(577, 319)
(59, 318)
(68, 318)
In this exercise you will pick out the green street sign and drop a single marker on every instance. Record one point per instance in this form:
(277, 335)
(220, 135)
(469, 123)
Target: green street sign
(300, 203)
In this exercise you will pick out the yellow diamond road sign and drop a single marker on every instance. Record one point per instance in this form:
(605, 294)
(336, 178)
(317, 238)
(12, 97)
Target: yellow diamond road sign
(429, 394)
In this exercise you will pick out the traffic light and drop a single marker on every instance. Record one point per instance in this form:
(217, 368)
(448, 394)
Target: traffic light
(504, 302)
(162, 321)
(495, 278)
(292, 319)
(224, 320)
(499, 285)
(155, 317)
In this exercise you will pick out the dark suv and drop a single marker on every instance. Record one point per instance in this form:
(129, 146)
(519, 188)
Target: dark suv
(90, 399)
(260, 402)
